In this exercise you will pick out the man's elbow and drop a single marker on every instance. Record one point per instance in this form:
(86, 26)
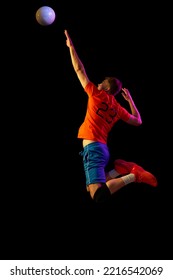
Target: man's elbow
(139, 122)
(136, 121)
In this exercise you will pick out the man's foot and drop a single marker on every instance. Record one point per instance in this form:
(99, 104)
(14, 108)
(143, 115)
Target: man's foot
(123, 167)
(143, 176)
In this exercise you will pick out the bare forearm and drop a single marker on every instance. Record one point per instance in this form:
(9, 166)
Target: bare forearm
(76, 62)
(134, 109)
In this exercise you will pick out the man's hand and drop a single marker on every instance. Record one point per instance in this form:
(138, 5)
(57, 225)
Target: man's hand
(68, 39)
(126, 94)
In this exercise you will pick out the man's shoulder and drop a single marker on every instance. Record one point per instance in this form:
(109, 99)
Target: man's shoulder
(91, 88)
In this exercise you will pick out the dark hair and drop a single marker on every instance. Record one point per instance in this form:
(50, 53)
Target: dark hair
(115, 85)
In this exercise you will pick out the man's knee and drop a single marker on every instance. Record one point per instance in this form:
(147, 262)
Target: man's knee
(102, 194)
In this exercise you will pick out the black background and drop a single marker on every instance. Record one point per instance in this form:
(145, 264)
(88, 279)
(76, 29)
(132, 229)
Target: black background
(46, 211)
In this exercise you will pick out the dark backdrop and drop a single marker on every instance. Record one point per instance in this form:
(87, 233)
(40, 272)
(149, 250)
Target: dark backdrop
(46, 211)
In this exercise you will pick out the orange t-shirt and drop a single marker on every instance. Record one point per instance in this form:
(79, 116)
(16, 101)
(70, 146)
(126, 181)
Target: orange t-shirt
(103, 111)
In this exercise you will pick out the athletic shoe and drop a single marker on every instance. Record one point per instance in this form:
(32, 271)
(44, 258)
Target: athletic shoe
(123, 167)
(143, 176)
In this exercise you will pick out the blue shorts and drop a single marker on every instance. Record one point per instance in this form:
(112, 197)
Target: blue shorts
(95, 158)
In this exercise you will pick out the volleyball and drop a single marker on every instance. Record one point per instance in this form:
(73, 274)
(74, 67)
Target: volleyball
(45, 15)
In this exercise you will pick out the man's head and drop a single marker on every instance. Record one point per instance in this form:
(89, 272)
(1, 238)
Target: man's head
(111, 84)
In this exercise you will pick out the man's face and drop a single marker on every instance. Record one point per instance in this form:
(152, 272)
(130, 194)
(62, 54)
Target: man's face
(103, 85)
